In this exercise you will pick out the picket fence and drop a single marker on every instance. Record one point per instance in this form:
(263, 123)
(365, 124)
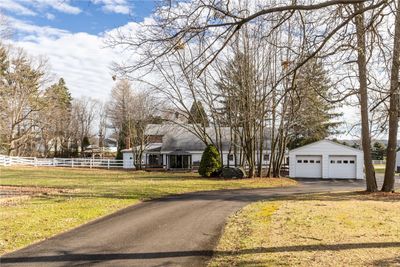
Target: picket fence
(61, 162)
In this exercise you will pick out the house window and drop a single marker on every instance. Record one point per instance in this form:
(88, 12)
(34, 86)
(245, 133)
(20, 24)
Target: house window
(266, 157)
(299, 161)
(230, 157)
(305, 161)
(345, 161)
(312, 161)
(332, 161)
(351, 161)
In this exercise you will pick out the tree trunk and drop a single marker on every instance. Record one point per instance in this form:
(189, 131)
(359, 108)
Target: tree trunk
(388, 184)
(363, 94)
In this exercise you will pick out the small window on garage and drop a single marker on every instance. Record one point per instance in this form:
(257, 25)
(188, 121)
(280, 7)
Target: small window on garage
(345, 161)
(318, 161)
(305, 161)
(312, 161)
(230, 157)
(339, 162)
(351, 161)
(332, 161)
(299, 161)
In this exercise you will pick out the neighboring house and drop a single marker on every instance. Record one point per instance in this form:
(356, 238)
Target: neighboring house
(326, 159)
(398, 161)
(173, 147)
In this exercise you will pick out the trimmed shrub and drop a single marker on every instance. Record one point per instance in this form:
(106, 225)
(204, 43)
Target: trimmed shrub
(210, 163)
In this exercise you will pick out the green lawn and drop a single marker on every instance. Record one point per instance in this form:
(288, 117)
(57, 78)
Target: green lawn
(65, 198)
(379, 168)
(336, 229)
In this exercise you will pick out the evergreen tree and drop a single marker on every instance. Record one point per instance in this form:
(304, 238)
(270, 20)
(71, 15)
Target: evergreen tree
(378, 151)
(123, 137)
(198, 114)
(85, 142)
(57, 113)
(210, 162)
(313, 120)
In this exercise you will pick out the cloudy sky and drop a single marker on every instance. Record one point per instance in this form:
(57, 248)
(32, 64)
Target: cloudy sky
(69, 33)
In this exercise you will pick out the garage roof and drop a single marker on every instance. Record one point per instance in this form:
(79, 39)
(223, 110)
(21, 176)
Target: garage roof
(326, 141)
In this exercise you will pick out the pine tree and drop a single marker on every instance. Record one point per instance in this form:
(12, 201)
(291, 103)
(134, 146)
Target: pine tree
(198, 114)
(313, 120)
(57, 112)
(85, 142)
(378, 151)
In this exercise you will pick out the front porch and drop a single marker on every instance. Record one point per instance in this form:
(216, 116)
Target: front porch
(176, 160)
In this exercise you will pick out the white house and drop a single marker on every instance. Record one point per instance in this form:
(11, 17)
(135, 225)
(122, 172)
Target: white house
(175, 147)
(398, 161)
(326, 159)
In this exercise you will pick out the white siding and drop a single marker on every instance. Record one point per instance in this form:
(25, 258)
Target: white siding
(325, 149)
(196, 158)
(128, 160)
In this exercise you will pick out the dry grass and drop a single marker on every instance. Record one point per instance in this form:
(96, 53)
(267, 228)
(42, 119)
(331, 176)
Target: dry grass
(341, 229)
(40, 202)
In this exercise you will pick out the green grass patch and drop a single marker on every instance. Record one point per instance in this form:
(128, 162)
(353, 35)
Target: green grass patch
(39, 217)
(337, 229)
(71, 197)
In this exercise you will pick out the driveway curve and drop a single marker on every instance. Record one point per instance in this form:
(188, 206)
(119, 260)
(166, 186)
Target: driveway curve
(179, 230)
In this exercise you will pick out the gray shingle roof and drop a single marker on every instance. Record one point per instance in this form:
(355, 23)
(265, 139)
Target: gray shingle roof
(177, 138)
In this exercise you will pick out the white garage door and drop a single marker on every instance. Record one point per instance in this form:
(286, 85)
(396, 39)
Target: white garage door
(342, 167)
(309, 166)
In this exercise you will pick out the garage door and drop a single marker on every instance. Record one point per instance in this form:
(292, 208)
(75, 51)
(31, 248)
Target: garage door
(342, 167)
(308, 166)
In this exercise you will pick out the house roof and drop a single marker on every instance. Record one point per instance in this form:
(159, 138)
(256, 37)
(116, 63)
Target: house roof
(326, 141)
(179, 138)
(183, 137)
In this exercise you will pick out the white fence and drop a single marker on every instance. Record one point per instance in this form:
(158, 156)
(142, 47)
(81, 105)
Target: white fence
(379, 162)
(61, 162)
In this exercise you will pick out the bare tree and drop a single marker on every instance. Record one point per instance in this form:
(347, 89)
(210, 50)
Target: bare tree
(394, 108)
(363, 92)
(84, 112)
(129, 113)
(207, 29)
(20, 81)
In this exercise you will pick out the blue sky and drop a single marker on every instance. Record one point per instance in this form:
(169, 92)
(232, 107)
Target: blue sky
(70, 35)
(90, 16)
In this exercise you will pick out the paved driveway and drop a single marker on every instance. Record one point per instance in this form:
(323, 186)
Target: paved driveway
(173, 231)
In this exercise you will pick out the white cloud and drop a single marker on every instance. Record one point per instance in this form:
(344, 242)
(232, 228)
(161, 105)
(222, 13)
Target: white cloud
(80, 58)
(50, 16)
(114, 6)
(62, 6)
(28, 31)
(12, 6)
(59, 5)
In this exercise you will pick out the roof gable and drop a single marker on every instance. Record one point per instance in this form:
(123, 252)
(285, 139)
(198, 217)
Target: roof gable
(329, 142)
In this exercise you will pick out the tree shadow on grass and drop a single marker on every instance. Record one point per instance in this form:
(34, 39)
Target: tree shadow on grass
(66, 257)
(387, 262)
(236, 195)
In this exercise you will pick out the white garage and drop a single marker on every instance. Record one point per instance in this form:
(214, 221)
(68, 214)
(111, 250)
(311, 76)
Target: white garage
(327, 160)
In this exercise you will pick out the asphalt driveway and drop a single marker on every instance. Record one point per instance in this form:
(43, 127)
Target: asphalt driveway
(173, 231)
